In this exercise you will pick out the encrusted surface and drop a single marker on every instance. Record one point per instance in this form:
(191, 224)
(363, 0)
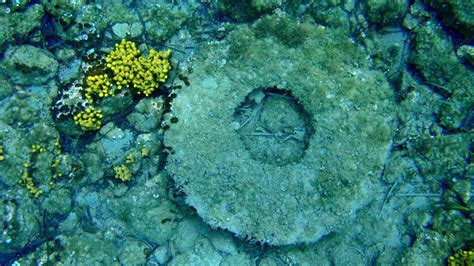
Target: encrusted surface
(350, 110)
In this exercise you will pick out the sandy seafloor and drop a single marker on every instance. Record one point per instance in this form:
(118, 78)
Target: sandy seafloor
(284, 133)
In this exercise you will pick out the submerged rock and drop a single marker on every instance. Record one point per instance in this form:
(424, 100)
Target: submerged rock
(19, 25)
(456, 14)
(276, 147)
(28, 65)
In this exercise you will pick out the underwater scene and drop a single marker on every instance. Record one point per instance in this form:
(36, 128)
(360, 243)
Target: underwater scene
(225, 132)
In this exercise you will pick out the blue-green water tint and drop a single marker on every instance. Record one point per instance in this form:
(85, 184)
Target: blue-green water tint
(370, 164)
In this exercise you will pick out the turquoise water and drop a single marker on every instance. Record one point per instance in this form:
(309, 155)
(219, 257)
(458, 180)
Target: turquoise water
(236, 133)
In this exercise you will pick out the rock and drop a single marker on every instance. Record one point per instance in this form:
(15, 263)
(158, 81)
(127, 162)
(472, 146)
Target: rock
(65, 54)
(27, 65)
(282, 195)
(125, 30)
(201, 254)
(144, 213)
(6, 88)
(116, 143)
(393, 11)
(224, 243)
(20, 221)
(96, 248)
(147, 114)
(20, 24)
(440, 68)
(466, 52)
(69, 72)
(266, 5)
(169, 22)
(185, 237)
(160, 255)
(238, 259)
(58, 202)
(456, 14)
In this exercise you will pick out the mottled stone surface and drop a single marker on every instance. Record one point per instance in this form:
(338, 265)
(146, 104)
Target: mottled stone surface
(350, 127)
(28, 65)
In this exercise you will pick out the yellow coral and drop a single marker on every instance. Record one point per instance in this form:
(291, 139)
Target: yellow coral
(2, 157)
(141, 74)
(55, 163)
(123, 173)
(99, 86)
(461, 258)
(130, 158)
(37, 148)
(28, 182)
(145, 152)
(57, 147)
(89, 119)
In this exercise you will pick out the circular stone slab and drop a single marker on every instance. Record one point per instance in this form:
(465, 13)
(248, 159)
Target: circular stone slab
(310, 155)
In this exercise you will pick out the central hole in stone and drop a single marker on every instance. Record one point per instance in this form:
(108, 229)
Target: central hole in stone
(273, 126)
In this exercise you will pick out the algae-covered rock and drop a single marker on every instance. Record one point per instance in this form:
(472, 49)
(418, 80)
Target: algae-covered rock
(331, 16)
(20, 220)
(266, 5)
(194, 241)
(115, 142)
(28, 65)
(339, 111)
(443, 156)
(435, 59)
(240, 11)
(111, 106)
(69, 72)
(453, 231)
(187, 234)
(84, 21)
(203, 253)
(125, 30)
(393, 11)
(145, 213)
(58, 202)
(6, 88)
(456, 14)
(19, 24)
(168, 23)
(15, 153)
(238, 259)
(282, 27)
(64, 11)
(389, 51)
(466, 52)
(108, 151)
(85, 248)
(147, 114)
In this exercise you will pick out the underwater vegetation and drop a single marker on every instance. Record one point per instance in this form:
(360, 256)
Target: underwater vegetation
(461, 258)
(128, 69)
(260, 132)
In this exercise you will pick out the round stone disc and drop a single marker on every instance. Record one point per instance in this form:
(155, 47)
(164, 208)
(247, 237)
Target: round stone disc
(281, 144)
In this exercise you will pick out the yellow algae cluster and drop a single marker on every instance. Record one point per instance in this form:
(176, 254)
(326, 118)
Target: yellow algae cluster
(98, 85)
(2, 156)
(28, 173)
(37, 148)
(123, 173)
(141, 74)
(461, 258)
(89, 119)
(27, 180)
(125, 68)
